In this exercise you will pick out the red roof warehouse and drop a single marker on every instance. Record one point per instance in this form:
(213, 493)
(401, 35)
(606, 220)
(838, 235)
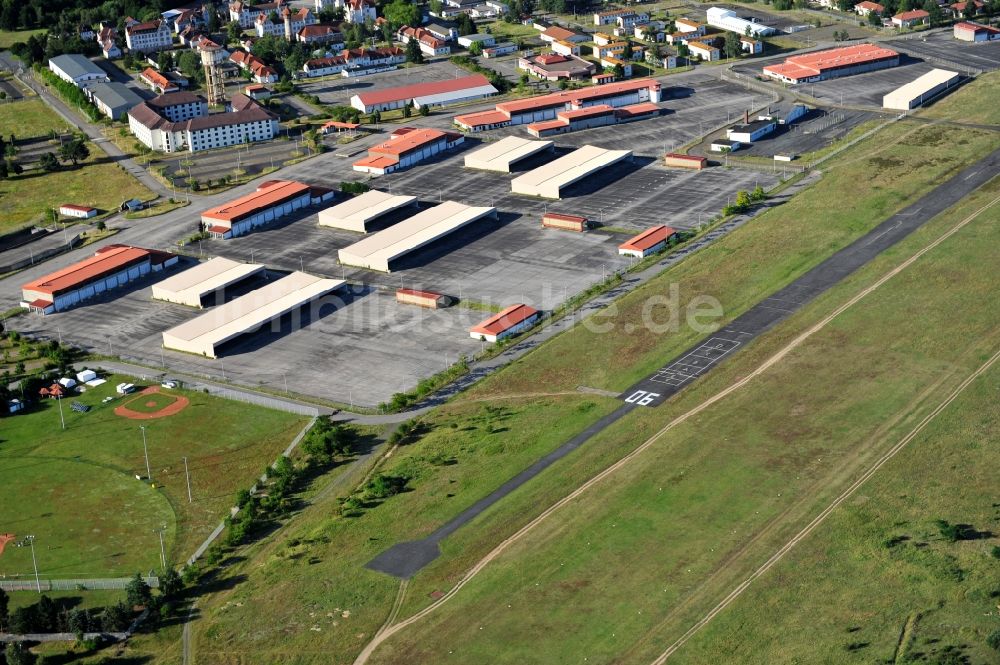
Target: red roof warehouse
(832, 63)
(510, 321)
(434, 93)
(110, 267)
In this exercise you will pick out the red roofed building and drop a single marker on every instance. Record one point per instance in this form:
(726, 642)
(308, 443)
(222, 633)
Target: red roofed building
(868, 7)
(556, 66)
(592, 116)
(910, 18)
(80, 212)
(546, 107)
(648, 242)
(157, 81)
(510, 321)
(110, 267)
(967, 31)
(434, 93)
(429, 44)
(147, 37)
(833, 63)
(428, 299)
(271, 200)
(406, 148)
(320, 33)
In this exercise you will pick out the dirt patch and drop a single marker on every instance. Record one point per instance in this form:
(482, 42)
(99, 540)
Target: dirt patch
(4, 539)
(179, 404)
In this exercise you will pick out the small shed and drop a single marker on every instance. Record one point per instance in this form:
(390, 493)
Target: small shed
(554, 220)
(428, 299)
(679, 161)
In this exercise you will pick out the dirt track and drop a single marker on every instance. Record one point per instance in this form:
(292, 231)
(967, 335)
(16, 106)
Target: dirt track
(179, 404)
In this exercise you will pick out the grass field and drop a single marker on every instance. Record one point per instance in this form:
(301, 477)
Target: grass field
(29, 118)
(975, 103)
(75, 489)
(10, 37)
(631, 564)
(756, 259)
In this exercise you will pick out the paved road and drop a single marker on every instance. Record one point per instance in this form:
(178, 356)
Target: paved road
(404, 560)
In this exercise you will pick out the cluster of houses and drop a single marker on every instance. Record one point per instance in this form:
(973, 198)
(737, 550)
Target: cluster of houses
(914, 17)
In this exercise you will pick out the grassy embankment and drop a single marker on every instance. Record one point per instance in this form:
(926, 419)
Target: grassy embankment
(738, 270)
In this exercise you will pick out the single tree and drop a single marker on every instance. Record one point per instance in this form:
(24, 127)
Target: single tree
(413, 52)
(234, 32)
(74, 151)
(48, 161)
(137, 592)
(425, 110)
(732, 46)
(171, 583)
(475, 49)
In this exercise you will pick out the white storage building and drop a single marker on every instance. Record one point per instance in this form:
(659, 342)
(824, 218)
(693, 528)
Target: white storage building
(503, 154)
(727, 19)
(920, 90)
(77, 69)
(357, 213)
(192, 285)
(377, 251)
(547, 181)
(203, 334)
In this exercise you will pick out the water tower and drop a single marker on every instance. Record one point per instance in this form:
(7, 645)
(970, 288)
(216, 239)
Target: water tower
(212, 57)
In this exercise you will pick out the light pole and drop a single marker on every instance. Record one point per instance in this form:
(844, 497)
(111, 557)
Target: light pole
(34, 562)
(187, 476)
(163, 551)
(145, 451)
(61, 418)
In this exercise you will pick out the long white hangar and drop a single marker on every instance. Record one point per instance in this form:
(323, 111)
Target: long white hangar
(548, 180)
(378, 250)
(191, 286)
(503, 154)
(203, 334)
(360, 211)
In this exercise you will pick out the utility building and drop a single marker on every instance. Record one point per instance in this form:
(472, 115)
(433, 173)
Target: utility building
(358, 212)
(111, 267)
(921, 90)
(203, 335)
(648, 242)
(191, 286)
(510, 321)
(379, 250)
(555, 220)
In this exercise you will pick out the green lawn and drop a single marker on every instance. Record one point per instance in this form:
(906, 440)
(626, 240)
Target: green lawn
(10, 37)
(975, 103)
(75, 489)
(754, 260)
(629, 565)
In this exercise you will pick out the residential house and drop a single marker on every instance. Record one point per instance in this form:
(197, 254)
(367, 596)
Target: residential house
(706, 52)
(320, 33)
(148, 37)
(867, 7)
(429, 44)
(910, 19)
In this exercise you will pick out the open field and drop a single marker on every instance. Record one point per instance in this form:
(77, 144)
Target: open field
(75, 489)
(9, 37)
(977, 103)
(24, 198)
(629, 565)
(785, 241)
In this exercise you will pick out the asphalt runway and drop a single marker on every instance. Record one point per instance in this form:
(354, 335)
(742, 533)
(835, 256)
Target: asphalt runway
(404, 560)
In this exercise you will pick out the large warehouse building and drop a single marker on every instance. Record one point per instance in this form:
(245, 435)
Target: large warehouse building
(503, 154)
(833, 63)
(434, 93)
(273, 199)
(592, 116)
(407, 146)
(357, 213)
(378, 251)
(921, 90)
(109, 268)
(204, 334)
(213, 276)
(548, 180)
(510, 321)
(77, 69)
(545, 107)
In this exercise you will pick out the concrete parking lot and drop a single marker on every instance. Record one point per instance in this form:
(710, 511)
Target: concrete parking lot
(943, 50)
(815, 131)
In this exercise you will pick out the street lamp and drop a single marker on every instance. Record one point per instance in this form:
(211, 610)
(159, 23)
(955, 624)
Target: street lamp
(145, 450)
(163, 551)
(34, 562)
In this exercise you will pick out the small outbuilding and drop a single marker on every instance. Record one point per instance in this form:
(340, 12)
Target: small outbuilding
(648, 242)
(80, 212)
(428, 299)
(680, 161)
(510, 321)
(555, 220)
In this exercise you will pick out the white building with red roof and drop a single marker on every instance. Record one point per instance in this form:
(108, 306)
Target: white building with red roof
(406, 146)
(77, 211)
(516, 318)
(868, 7)
(648, 242)
(432, 93)
(148, 37)
(910, 18)
(429, 44)
(833, 63)
(967, 31)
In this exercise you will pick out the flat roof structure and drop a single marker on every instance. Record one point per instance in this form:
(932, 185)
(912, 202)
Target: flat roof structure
(275, 193)
(192, 285)
(500, 156)
(203, 334)
(378, 250)
(356, 213)
(548, 180)
(920, 90)
(830, 62)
